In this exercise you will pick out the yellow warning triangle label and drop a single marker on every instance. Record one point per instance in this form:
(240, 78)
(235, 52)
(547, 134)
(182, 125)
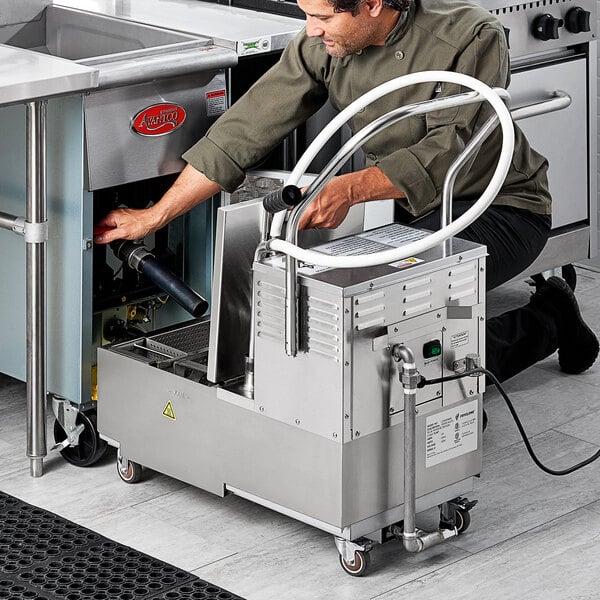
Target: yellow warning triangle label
(169, 412)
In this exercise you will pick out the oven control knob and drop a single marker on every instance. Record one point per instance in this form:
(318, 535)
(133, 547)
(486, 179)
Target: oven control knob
(545, 27)
(577, 20)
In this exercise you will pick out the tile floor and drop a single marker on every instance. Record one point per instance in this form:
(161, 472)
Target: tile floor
(532, 536)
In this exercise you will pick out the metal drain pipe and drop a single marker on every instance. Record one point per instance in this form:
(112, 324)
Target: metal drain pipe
(413, 539)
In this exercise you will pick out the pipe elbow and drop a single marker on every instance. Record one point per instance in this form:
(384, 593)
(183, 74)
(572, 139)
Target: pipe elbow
(400, 352)
(412, 542)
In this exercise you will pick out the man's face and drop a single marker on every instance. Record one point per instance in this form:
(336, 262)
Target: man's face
(342, 33)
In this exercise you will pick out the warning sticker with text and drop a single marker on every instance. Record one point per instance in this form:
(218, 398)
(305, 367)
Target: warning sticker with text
(216, 103)
(451, 433)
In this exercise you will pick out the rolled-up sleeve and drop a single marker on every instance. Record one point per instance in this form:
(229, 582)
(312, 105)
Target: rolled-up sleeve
(275, 105)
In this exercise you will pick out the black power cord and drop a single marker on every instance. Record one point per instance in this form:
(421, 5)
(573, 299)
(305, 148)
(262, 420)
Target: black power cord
(491, 377)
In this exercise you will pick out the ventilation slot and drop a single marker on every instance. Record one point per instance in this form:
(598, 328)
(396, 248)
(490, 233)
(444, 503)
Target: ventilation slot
(323, 328)
(270, 311)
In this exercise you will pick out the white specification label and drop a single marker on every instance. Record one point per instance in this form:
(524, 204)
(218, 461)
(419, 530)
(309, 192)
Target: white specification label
(391, 236)
(451, 433)
(395, 235)
(384, 238)
(459, 339)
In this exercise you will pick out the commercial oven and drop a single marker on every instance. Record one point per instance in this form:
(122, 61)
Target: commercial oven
(553, 53)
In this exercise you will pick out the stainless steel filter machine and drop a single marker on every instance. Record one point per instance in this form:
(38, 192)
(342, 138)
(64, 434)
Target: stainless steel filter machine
(301, 391)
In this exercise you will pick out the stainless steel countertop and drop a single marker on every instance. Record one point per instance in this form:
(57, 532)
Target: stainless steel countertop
(244, 31)
(27, 75)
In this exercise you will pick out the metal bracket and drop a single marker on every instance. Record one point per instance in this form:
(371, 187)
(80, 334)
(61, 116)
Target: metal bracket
(347, 549)
(471, 361)
(66, 416)
(36, 233)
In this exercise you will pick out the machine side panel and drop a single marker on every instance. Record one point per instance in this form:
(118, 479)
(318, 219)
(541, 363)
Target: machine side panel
(373, 468)
(417, 312)
(306, 390)
(212, 442)
(237, 236)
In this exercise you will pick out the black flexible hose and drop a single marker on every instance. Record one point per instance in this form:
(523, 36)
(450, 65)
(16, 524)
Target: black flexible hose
(139, 258)
(513, 412)
(167, 281)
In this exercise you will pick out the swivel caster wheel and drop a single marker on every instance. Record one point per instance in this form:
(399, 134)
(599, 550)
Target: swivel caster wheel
(129, 471)
(90, 447)
(462, 520)
(456, 514)
(362, 560)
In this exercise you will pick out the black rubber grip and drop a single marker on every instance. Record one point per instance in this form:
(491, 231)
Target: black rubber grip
(282, 199)
(167, 281)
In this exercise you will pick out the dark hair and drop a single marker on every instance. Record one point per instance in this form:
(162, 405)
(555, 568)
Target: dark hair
(351, 6)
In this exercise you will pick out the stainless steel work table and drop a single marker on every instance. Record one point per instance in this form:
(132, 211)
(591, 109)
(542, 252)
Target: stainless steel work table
(71, 57)
(234, 28)
(30, 78)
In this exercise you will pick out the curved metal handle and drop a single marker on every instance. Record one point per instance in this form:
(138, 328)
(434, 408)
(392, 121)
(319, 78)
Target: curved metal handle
(559, 101)
(494, 96)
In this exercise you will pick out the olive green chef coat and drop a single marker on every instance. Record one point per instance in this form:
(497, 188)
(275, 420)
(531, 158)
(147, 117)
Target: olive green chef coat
(415, 154)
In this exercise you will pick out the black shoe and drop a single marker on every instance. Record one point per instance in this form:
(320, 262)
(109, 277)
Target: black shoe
(577, 344)
(568, 273)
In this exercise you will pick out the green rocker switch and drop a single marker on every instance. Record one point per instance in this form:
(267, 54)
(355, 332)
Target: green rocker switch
(432, 349)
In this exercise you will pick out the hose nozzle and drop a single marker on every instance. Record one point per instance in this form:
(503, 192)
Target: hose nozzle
(140, 259)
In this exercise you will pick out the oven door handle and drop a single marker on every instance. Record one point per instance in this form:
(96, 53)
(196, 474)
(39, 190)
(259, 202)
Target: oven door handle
(559, 101)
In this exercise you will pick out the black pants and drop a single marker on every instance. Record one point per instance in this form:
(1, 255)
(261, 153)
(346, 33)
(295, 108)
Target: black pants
(514, 237)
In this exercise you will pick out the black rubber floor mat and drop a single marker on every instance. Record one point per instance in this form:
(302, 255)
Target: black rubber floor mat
(46, 557)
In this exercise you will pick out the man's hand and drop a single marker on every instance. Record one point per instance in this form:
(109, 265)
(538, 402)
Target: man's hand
(331, 206)
(125, 224)
(190, 188)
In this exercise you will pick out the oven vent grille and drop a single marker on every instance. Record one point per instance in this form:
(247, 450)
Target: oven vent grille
(528, 6)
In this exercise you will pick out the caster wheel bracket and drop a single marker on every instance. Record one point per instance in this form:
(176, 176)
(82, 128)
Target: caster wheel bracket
(66, 417)
(347, 549)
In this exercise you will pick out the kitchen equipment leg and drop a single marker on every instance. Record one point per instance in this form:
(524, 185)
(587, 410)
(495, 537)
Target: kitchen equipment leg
(35, 239)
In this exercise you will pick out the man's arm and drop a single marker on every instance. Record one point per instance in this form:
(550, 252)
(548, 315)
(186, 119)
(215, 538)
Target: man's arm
(237, 141)
(190, 189)
(331, 206)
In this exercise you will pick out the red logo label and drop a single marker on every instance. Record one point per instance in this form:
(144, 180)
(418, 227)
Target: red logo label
(158, 119)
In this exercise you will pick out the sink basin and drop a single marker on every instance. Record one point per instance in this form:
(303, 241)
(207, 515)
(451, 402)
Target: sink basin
(84, 37)
(123, 52)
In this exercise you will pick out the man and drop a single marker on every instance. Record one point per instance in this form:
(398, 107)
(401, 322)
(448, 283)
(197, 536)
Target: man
(347, 48)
